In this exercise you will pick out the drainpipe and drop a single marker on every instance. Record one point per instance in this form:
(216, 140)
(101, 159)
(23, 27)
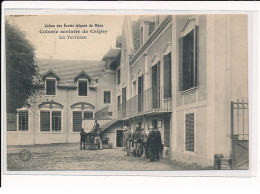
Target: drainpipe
(34, 129)
(67, 139)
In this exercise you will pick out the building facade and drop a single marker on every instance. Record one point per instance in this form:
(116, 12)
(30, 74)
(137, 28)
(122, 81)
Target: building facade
(181, 72)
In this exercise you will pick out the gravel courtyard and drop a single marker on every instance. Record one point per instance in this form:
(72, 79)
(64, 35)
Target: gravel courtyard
(69, 157)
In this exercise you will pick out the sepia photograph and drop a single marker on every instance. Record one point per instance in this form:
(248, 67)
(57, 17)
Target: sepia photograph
(126, 92)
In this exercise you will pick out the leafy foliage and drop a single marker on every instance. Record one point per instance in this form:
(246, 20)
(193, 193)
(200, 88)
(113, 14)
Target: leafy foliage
(22, 78)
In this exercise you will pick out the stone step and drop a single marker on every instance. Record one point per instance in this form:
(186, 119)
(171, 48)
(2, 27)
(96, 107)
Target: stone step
(225, 167)
(225, 161)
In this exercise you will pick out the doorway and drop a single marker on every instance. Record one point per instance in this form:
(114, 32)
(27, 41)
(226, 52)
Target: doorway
(119, 138)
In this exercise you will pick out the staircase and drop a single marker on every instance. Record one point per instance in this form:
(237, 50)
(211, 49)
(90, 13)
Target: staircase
(222, 162)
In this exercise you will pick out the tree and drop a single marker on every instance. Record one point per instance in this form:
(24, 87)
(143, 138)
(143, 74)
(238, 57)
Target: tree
(22, 78)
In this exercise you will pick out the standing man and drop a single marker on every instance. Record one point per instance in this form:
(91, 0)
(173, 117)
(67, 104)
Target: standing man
(136, 139)
(158, 143)
(128, 137)
(82, 139)
(95, 127)
(124, 138)
(151, 142)
(93, 135)
(145, 143)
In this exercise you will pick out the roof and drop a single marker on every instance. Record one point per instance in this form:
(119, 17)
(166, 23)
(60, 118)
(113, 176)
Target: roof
(67, 70)
(52, 73)
(111, 53)
(119, 41)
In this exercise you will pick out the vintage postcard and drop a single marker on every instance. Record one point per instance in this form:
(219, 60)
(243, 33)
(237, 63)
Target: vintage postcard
(124, 92)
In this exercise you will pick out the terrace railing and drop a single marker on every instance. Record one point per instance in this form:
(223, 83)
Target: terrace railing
(151, 100)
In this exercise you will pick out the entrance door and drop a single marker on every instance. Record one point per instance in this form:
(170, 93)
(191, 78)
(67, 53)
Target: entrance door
(119, 138)
(167, 133)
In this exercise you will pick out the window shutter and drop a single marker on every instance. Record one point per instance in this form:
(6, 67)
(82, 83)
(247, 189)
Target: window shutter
(11, 122)
(23, 120)
(189, 125)
(196, 55)
(167, 76)
(180, 63)
(50, 87)
(45, 120)
(77, 121)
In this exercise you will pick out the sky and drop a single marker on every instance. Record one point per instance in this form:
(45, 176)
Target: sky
(49, 45)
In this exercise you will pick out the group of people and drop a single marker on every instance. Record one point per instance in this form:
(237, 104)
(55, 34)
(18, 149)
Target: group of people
(94, 137)
(139, 143)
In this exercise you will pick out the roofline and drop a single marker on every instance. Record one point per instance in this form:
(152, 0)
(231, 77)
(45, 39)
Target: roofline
(118, 56)
(150, 39)
(50, 72)
(104, 57)
(82, 73)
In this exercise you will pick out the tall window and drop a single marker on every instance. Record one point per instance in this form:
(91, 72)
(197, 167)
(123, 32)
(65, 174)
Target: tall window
(119, 103)
(78, 116)
(142, 36)
(56, 120)
(50, 120)
(188, 60)
(50, 87)
(23, 120)
(77, 121)
(167, 76)
(118, 76)
(189, 132)
(82, 87)
(107, 97)
(151, 27)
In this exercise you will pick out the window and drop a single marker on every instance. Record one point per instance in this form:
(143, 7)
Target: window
(45, 120)
(118, 76)
(56, 120)
(151, 27)
(188, 60)
(142, 35)
(107, 97)
(167, 76)
(189, 132)
(23, 120)
(11, 122)
(77, 121)
(155, 71)
(50, 121)
(82, 87)
(88, 115)
(50, 87)
(119, 102)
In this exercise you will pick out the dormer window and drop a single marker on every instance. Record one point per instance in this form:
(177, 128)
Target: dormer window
(83, 79)
(82, 87)
(51, 79)
(50, 86)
